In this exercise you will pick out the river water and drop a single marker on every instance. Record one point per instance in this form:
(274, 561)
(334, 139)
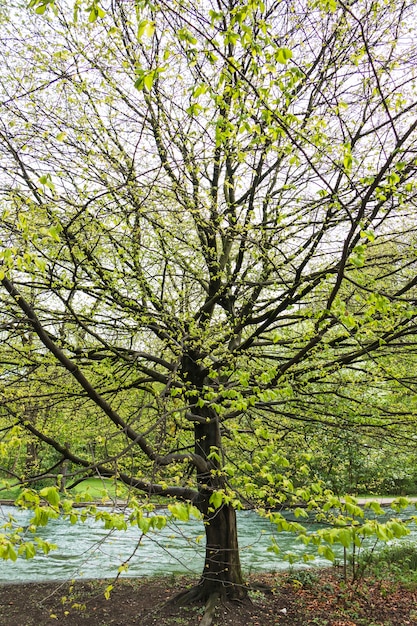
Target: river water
(89, 551)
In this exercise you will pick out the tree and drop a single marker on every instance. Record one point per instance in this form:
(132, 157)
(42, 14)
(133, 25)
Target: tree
(191, 193)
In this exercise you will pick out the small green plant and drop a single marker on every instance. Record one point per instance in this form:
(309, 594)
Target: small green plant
(345, 524)
(396, 562)
(70, 602)
(256, 595)
(303, 578)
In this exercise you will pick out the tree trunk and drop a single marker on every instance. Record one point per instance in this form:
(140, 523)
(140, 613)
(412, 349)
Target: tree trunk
(32, 458)
(222, 574)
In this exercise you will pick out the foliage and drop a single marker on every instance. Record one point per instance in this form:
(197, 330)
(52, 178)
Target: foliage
(208, 246)
(401, 555)
(396, 563)
(303, 578)
(344, 524)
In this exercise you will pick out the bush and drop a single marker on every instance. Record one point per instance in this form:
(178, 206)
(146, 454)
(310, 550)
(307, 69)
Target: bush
(403, 555)
(398, 559)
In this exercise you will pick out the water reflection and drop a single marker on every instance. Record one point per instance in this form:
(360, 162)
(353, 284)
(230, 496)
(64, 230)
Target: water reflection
(88, 550)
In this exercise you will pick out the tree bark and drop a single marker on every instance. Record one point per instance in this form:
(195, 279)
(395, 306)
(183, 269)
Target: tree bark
(222, 573)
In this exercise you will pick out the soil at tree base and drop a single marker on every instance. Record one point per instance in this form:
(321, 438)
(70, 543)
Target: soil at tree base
(274, 599)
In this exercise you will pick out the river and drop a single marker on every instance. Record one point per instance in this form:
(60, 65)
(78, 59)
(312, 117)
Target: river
(89, 551)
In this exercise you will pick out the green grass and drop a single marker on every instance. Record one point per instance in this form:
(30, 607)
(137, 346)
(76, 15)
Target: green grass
(90, 489)
(9, 490)
(99, 489)
(381, 496)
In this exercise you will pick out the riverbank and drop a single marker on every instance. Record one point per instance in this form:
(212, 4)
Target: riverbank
(384, 501)
(314, 597)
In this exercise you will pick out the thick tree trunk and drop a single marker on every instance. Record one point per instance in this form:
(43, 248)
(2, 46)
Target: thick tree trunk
(222, 574)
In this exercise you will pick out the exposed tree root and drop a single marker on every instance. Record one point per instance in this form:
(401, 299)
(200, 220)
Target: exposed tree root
(198, 594)
(189, 596)
(207, 595)
(203, 593)
(210, 609)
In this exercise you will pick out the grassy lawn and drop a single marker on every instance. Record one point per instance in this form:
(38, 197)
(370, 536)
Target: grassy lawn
(99, 489)
(90, 489)
(8, 489)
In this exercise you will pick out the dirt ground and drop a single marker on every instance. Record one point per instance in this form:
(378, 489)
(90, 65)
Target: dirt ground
(319, 599)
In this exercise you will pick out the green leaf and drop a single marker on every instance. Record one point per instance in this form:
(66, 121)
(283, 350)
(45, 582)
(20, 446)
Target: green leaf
(353, 509)
(215, 16)
(274, 547)
(45, 546)
(54, 232)
(199, 90)
(30, 550)
(214, 454)
(216, 499)
(145, 80)
(11, 552)
(185, 35)
(398, 529)
(123, 568)
(41, 6)
(159, 522)
(179, 511)
(282, 55)
(368, 529)
(326, 552)
(345, 537)
(376, 508)
(146, 28)
(41, 516)
(357, 258)
(400, 503)
(381, 532)
(51, 495)
(95, 11)
(194, 109)
(347, 163)
(369, 234)
(144, 524)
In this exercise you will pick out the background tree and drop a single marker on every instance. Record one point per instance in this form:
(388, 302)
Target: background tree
(189, 194)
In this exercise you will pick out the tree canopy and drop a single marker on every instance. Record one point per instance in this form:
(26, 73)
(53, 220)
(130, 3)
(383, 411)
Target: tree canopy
(208, 238)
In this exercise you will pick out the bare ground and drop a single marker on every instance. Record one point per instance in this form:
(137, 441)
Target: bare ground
(325, 601)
